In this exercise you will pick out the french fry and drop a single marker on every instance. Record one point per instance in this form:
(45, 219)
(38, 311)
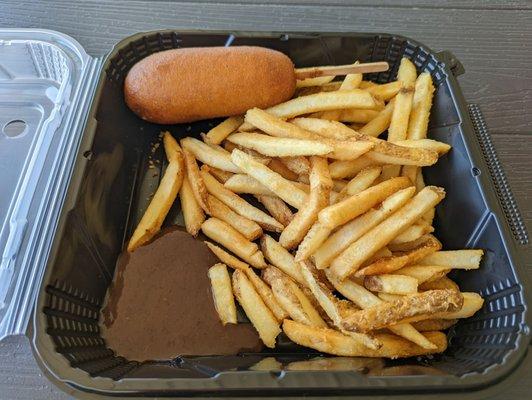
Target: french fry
(413, 232)
(320, 187)
(421, 104)
(472, 303)
(436, 324)
(248, 228)
(323, 128)
(344, 211)
(408, 246)
(424, 273)
(192, 212)
(358, 116)
(380, 123)
(406, 77)
(410, 306)
(366, 84)
(318, 81)
(354, 229)
(238, 204)
(329, 303)
(323, 101)
(242, 183)
(299, 165)
(279, 146)
(394, 284)
(230, 146)
(398, 260)
(348, 169)
(163, 198)
(227, 258)
(231, 239)
(278, 166)
(312, 240)
(389, 297)
(217, 134)
(281, 258)
(220, 159)
(292, 298)
(442, 283)
(277, 208)
(196, 182)
(272, 180)
(361, 181)
(276, 126)
(333, 342)
(267, 364)
(462, 259)
(427, 144)
(266, 294)
(350, 260)
(222, 293)
(258, 313)
(219, 174)
(351, 81)
(365, 299)
(385, 91)
(389, 153)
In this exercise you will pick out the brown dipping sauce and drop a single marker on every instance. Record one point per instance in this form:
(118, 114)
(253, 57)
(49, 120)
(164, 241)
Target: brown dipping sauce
(160, 304)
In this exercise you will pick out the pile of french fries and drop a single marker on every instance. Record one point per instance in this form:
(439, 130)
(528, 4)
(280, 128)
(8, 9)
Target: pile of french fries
(350, 266)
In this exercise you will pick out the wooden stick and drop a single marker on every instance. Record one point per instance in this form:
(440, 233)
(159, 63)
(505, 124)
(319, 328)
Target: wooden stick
(314, 72)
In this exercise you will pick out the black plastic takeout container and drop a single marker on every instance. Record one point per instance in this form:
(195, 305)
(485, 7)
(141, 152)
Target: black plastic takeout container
(110, 187)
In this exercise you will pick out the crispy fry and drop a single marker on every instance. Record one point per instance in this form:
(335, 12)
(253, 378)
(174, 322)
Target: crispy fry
(410, 306)
(472, 303)
(163, 198)
(272, 180)
(292, 298)
(318, 81)
(461, 259)
(353, 230)
(351, 258)
(238, 204)
(230, 146)
(389, 153)
(277, 208)
(421, 104)
(220, 159)
(192, 212)
(222, 293)
(380, 123)
(280, 146)
(259, 314)
(323, 128)
(406, 77)
(442, 283)
(196, 181)
(436, 324)
(424, 273)
(348, 169)
(358, 116)
(394, 284)
(355, 98)
(398, 260)
(333, 342)
(365, 299)
(389, 297)
(281, 258)
(386, 91)
(320, 187)
(219, 174)
(329, 303)
(312, 240)
(278, 166)
(413, 232)
(408, 246)
(427, 144)
(300, 165)
(227, 258)
(344, 211)
(217, 134)
(276, 126)
(266, 294)
(230, 238)
(328, 87)
(363, 180)
(248, 228)
(242, 183)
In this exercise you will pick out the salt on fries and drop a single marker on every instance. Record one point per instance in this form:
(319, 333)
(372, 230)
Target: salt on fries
(356, 270)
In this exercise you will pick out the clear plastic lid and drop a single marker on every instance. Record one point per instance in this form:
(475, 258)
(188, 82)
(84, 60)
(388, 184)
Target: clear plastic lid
(43, 81)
